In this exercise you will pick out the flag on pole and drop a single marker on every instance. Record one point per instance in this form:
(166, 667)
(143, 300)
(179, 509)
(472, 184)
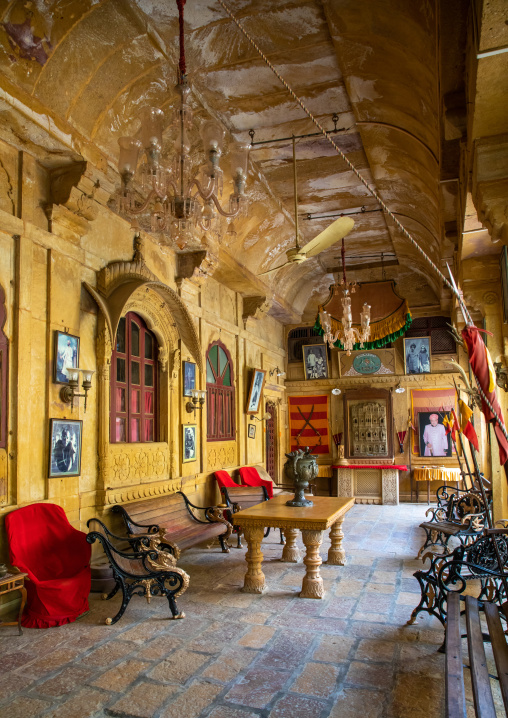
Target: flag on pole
(450, 423)
(466, 427)
(479, 360)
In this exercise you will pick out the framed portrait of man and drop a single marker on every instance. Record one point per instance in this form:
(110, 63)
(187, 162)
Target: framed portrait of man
(189, 442)
(434, 441)
(417, 355)
(255, 391)
(66, 356)
(189, 378)
(65, 447)
(315, 361)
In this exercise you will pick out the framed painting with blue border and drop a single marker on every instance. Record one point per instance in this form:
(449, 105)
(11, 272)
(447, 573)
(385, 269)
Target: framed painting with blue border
(66, 356)
(65, 447)
(189, 378)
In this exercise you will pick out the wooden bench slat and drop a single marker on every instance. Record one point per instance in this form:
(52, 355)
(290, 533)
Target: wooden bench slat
(482, 694)
(455, 696)
(499, 647)
(166, 501)
(155, 517)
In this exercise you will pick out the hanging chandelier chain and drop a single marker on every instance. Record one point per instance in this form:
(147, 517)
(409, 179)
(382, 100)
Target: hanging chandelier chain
(348, 162)
(181, 63)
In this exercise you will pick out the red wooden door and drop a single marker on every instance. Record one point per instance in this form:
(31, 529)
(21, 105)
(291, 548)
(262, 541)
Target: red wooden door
(271, 439)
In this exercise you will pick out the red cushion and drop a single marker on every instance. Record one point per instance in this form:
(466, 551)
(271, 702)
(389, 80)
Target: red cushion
(250, 477)
(56, 557)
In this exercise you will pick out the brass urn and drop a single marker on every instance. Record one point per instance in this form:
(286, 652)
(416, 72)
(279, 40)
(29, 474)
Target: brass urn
(301, 468)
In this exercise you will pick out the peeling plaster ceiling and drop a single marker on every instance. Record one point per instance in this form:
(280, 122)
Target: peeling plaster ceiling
(87, 67)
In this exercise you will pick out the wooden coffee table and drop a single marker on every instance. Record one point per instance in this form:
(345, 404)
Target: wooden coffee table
(311, 521)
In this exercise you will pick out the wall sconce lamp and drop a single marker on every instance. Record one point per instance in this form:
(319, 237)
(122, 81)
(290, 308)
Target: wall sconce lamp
(70, 392)
(399, 389)
(197, 401)
(277, 372)
(265, 417)
(336, 391)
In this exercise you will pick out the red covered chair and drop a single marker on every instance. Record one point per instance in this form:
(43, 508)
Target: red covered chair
(56, 557)
(250, 477)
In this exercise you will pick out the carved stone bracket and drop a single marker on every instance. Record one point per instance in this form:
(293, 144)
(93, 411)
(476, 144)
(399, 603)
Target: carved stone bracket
(196, 266)
(255, 307)
(72, 197)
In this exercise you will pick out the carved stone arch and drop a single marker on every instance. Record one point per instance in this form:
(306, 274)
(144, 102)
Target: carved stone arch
(120, 281)
(147, 303)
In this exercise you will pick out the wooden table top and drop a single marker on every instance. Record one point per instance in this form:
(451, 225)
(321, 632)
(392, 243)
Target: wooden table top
(325, 511)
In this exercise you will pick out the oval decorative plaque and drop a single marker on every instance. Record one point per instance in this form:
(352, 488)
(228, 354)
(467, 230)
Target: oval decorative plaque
(366, 363)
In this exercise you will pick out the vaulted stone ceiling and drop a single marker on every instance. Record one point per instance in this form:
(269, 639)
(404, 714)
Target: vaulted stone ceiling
(81, 70)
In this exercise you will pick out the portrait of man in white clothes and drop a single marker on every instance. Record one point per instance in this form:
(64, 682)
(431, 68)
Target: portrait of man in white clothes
(433, 438)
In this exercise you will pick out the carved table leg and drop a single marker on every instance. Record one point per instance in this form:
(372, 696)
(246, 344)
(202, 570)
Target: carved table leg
(291, 552)
(22, 606)
(312, 585)
(336, 554)
(254, 578)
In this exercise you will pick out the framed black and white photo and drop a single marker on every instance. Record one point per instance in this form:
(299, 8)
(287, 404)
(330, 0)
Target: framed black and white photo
(189, 378)
(252, 431)
(417, 355)
(189, 442)
(315, 361)
(256, 387)
(434, 441)
(65, 447)
(66, 356)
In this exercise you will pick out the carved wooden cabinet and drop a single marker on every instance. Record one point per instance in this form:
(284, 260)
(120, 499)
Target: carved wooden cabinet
(368, 423)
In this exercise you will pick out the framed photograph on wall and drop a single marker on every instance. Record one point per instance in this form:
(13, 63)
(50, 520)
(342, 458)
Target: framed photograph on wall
(189, 378)
(315, 361)
(65, 447)
(256, 388)
(434, 441)
(252, 431)
(503, 266)
(417, 355)
(189, 442)
(66, 355)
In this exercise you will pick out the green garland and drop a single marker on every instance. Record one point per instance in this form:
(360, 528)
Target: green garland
(369, 345)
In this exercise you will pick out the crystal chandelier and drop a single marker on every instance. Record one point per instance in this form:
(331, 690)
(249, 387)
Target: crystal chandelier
(348, 335)
(169, 194)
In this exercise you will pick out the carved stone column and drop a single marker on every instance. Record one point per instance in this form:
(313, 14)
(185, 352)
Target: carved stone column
(254, 578)
(312, 585)
(390, 486)
(336, 554)
(103, 398)
(291, 552)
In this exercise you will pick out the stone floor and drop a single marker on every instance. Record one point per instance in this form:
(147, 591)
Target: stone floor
(238, 655)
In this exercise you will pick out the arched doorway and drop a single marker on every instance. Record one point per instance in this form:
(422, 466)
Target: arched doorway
(271, 441)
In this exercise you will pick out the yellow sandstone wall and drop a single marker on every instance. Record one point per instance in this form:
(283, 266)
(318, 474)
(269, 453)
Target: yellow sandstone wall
(46, 253)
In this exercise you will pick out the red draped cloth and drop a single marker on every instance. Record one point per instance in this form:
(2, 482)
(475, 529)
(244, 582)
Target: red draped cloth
(480, 367)
(250, 477)
(224, 479)
(56, 557)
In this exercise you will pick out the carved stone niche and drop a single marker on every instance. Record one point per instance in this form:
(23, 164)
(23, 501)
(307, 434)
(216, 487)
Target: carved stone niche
(136, 470)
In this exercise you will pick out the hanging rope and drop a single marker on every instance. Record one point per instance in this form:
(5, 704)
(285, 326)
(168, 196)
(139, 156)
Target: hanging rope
(181, 63)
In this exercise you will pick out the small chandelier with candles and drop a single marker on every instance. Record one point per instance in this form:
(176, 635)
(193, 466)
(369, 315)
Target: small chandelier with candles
(169, 195)
(348, 335)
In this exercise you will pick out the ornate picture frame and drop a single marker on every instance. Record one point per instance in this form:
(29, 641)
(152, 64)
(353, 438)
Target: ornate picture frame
(368, 425)
(189, 443)
(64, 447)
(66, 355)
(255, 392)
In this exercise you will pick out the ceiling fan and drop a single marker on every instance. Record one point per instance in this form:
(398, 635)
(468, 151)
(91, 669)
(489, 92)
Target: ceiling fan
(332, 234)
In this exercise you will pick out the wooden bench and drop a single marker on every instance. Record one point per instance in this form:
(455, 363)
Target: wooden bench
(482, 692)
(140, 570)
(174, 517)
(237, 498)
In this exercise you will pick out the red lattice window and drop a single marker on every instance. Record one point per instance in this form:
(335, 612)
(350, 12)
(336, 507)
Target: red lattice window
(133, 415)
(220, 394)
